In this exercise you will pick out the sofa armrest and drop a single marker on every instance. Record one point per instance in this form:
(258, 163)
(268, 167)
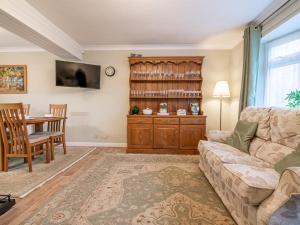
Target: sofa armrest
(289, 184)
(218, 135)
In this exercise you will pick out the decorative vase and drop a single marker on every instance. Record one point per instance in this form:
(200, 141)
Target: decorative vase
(195, 108)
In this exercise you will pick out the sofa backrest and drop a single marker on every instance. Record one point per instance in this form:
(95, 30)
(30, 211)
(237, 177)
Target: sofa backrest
(260, 116)
(278, 132)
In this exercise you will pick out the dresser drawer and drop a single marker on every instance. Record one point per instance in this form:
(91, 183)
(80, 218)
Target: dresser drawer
(193, 121)
(169, 121)
(139, 119)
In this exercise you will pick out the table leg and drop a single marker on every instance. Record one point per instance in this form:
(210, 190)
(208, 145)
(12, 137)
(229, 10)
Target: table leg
(38, 127)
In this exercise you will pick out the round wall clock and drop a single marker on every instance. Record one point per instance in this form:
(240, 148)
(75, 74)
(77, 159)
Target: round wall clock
(110, 71)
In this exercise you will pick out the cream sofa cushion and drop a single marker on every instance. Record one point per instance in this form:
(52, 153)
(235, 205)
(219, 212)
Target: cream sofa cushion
(252, 184)
(217, 153)
(260, 116)
(285, 127)
(255, 145)
(206, 146)
(272, 152)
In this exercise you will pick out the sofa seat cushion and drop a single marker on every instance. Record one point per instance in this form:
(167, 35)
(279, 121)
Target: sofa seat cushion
(215, 158)
(252, 184)
(207, 146)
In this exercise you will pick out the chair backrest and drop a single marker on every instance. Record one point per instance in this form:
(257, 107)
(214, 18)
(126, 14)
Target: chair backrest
(26, 108)
(58, 110)
(13, 129)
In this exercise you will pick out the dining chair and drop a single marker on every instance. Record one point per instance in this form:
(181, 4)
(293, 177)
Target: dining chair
(57, 129)
(16, 142)
(26, 108)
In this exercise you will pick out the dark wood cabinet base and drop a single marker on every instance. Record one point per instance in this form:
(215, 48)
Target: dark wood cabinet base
(165, 134)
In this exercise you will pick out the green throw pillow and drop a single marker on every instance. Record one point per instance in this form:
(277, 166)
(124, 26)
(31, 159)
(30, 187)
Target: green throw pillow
(291, 160)
(243, 134)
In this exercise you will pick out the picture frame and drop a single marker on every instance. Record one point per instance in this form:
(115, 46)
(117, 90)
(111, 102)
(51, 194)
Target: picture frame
(13, 79)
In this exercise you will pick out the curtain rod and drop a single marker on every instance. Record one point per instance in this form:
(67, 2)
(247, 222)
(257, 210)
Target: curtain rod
(288, 3)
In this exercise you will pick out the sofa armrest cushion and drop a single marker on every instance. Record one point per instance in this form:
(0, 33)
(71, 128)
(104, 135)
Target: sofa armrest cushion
(218, 135)
(289, 184)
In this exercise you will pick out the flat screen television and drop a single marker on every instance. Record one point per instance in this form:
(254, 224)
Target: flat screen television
(70, 74)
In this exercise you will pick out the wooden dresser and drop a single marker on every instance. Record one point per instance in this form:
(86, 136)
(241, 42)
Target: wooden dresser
(176, 81)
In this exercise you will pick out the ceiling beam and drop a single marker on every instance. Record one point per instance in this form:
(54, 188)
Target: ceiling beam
(20, 18)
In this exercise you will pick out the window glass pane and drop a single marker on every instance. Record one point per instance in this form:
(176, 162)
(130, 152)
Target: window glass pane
(285, 49)
(281, 81)
(281, 69)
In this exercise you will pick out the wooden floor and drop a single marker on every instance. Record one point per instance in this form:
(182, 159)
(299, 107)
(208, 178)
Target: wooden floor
(26, 206)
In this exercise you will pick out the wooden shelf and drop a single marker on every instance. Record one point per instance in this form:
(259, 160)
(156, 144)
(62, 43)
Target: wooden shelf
(164, 97)
(151, 85)
(166, 80)
(165, 133)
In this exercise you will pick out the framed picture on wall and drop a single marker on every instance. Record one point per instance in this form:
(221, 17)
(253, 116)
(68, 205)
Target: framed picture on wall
(13, 79)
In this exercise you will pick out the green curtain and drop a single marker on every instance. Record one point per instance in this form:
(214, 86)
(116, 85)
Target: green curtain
(252, 37)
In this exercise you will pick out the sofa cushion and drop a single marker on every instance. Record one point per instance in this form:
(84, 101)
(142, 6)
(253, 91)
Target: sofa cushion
(255, 145)
(260, 116)
(217, 157)
(285, 126)
(244, 132)
(206, 146)
(272, 152)
(252, 184)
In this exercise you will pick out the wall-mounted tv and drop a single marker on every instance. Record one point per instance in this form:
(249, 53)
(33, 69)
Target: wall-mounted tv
(70, 74)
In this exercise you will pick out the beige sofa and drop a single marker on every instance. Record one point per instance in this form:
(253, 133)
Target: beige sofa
(247, 183)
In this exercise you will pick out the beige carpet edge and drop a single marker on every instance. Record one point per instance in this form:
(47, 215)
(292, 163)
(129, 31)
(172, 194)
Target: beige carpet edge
(59, 172)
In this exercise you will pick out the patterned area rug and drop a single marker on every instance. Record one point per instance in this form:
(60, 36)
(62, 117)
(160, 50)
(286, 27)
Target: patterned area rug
(123, 189)
(19, 182)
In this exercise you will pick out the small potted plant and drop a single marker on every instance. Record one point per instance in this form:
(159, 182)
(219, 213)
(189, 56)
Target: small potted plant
(293, 99)
(135, 110)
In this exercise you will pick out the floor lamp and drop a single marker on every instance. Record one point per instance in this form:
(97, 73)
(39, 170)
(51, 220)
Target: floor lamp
(221, 91)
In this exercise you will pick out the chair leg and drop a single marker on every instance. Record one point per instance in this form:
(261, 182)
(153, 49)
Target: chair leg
(32, 150)
(48, 154)
(52, 148)
(29, 164)
(64, 144)
(25, 160)
(5, 164)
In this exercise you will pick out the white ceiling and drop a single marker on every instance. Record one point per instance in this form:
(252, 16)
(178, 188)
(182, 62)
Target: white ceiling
(148, 22)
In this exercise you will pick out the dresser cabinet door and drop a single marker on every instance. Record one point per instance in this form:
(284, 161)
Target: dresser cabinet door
(166, 136)
(190, 136)
(140, 135)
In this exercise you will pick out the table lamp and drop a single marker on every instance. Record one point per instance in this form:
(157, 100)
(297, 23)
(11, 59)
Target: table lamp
(221, 91)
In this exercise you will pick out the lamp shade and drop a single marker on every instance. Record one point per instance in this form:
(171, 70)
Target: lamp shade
(221, 89)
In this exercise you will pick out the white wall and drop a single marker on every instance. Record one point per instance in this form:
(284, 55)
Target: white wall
(100, 115)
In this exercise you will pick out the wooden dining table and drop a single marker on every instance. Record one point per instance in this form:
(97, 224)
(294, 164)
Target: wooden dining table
(38, 123)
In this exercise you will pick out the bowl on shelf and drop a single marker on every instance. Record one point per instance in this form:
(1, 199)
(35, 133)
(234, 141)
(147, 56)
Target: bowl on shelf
(147, 111)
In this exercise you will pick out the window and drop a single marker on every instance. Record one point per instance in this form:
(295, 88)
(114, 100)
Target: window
(282, 69)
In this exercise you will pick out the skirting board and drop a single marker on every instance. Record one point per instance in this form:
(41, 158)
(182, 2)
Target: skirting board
(96, 144)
